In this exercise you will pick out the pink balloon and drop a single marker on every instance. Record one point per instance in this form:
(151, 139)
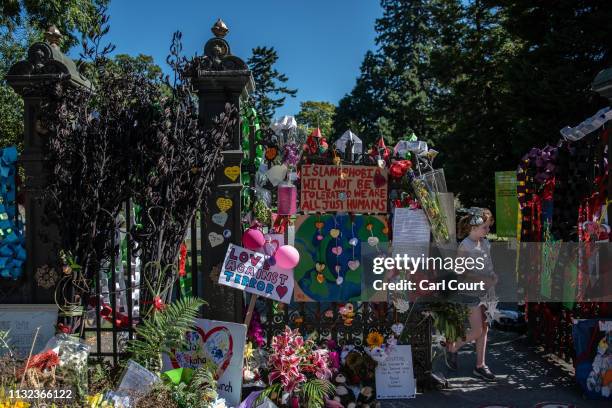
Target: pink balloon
(253, 239)
(287, 257)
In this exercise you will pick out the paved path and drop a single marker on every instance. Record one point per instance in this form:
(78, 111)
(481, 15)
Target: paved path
(524, 379)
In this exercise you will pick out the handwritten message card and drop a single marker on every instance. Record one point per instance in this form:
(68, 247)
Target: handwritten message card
(395, 376)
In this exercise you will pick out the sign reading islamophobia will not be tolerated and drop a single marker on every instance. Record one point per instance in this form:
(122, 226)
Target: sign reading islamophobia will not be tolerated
(355, 189)
(251, 271)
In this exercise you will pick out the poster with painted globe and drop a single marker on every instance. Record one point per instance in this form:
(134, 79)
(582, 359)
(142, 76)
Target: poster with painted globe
(334, 249)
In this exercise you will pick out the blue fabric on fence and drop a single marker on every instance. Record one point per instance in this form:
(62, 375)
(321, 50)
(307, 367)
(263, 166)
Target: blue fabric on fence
(12, 241)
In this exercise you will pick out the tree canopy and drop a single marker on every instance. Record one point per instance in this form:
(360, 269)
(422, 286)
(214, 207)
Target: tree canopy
(481, 80)
(315, 114)
(270, 91)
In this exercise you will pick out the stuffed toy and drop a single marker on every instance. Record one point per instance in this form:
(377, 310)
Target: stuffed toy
(367, 397)
(359, 367)
(344, 395)
(377, 353)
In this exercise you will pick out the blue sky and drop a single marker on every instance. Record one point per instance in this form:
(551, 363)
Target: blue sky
(320, 43)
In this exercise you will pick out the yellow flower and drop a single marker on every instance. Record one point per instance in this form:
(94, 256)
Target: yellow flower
(94, 400)
(248, 350)
(375, 339)
(14, 404)
(6, 402)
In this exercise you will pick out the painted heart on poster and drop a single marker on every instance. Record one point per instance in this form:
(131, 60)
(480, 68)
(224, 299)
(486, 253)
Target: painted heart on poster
(221, 343)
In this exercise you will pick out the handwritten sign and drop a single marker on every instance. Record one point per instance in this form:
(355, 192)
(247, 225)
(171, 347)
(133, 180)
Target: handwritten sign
(22, 320)
(221, 343)
(395, 376)
(251, 271)
(356, 189)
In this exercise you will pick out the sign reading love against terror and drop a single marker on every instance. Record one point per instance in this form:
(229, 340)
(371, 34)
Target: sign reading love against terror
(251, 271)
(356, 189)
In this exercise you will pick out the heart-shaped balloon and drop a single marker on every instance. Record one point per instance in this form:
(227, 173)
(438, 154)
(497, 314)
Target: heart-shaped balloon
(320, 266)
(334, 232)
(319, 224)
(353, 241)
(276, 174)
(320, 278)
(319, 237)
(373, 241)
(353, 264)
(339, 280)
(337, 250)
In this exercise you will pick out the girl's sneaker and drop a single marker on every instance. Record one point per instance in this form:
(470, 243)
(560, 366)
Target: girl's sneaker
(484, 373)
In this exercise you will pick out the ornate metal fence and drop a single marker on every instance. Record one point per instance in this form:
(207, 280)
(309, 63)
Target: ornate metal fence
(328, 323)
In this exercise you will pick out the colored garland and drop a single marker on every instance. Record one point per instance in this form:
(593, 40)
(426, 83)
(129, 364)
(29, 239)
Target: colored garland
(12, 241)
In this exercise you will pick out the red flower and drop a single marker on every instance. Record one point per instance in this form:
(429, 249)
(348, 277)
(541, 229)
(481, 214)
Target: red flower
(399, 168)
(158, 304)
(63, 328)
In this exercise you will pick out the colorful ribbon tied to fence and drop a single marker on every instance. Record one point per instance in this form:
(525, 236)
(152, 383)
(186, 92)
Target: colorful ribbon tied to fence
(12, 242)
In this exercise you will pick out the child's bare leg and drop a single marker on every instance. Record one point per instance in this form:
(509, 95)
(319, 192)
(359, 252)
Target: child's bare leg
(481, 347)
(475, 330)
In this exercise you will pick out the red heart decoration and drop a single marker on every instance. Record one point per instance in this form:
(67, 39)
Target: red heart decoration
(379, 179)
(281, 291)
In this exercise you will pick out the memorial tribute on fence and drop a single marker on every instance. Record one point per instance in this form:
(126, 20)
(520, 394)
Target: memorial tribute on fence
(356, 189)
(251, 271)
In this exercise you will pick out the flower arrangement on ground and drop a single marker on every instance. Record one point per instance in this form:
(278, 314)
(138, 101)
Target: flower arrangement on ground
(299, 372)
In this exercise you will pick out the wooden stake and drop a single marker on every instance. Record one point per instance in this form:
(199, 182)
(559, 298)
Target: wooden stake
(249, 314)
(30, 355)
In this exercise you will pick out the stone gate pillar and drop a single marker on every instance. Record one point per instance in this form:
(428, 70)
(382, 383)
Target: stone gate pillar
(222, 78)
(45, 63)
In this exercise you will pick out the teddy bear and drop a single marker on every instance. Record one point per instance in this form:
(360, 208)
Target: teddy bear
(367, 397)
(359, 367)
(344, 395)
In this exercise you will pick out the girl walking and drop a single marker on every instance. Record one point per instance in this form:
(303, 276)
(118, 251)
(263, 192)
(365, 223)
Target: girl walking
(473, 228)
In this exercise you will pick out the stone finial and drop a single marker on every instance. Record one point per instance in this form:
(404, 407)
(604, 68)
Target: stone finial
(220, 29)
(53, 36)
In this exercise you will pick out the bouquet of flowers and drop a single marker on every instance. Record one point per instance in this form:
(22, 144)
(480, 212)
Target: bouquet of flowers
(299, 372)
(430, 205)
